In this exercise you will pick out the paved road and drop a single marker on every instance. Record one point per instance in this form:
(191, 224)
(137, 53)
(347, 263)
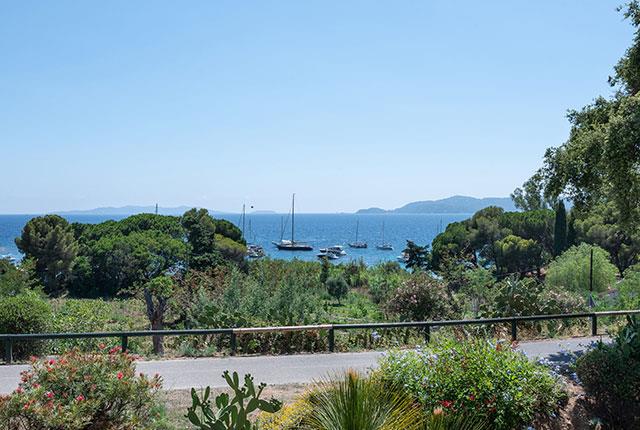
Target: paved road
(288, 369)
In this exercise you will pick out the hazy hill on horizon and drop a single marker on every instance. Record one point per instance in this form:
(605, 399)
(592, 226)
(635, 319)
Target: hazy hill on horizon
(131, 210)
(449, 205)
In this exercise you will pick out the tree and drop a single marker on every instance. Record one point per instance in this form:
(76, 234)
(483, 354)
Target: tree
(531, 196)
(337, 287)
(324, 271)
(157, 294)
(119, 263)
(50, 242)
(602, 226)
(416, 257)
(599, 161)
(200, 228)
(517, 255)
(571, 269)
(13, 280)
(560, 230)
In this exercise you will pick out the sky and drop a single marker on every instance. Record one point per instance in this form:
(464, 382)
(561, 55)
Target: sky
(349, 104)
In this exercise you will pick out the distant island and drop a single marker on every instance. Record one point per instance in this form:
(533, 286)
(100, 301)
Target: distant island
(450, 205)
(132, 210)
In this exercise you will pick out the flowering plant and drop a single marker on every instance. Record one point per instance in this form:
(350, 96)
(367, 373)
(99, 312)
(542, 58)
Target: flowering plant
(476, 378)
(81, 391)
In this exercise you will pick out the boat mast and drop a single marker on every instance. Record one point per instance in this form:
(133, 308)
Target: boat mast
(293, 215)
(357, 225)
(383, 232)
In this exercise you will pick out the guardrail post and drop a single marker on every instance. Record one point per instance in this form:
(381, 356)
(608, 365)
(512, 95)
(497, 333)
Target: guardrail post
(124, 343)
(332, 339)
(427, 333)
(234, 343)
(514, 330)
(8, 350)
(594, 325)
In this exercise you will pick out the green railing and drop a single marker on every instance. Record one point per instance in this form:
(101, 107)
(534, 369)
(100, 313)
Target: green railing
(9, 339)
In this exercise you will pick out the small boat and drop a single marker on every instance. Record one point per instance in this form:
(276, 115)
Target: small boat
(292, 245)
(255, 251)
(357, 244)
(336, 250)
(328, 255)
(384, 246)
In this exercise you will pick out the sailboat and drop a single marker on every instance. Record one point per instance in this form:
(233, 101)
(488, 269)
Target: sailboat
(253, 249)
(357, 244)
(384, 246)
(292, 245)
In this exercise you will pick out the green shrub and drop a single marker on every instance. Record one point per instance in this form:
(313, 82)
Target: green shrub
(420, 298)
(355, 402)
(337, 287)
(610, 374)
(475, 378)
(629, 288)
(526, 296)
(25, 313)
(82, 391)
(358, 402)
(571, 269)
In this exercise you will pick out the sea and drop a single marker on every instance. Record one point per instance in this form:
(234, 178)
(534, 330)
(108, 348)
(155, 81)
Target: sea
(318, 230)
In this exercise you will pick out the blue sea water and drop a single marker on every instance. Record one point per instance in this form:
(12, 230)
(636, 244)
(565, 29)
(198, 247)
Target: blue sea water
(319, 230)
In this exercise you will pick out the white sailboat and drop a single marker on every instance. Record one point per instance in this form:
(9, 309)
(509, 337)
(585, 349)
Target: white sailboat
(292, 245)
(384, 246)
(357, 244)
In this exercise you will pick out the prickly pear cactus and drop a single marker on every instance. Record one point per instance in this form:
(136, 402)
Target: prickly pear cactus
(232, 412)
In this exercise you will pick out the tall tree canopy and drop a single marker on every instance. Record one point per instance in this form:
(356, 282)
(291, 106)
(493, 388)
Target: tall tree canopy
(601, 159)
(50, 242)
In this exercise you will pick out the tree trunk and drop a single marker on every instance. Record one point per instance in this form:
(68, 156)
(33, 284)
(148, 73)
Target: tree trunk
(158, 341)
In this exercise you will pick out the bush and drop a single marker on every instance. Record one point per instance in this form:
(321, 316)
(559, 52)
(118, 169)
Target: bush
(610, 374)
(629, 288)
(25, 313)
(337, 287)
(353, 401)
(420, 298)
(516, 297)
(475, 378)
(97, 391)
(571, 269)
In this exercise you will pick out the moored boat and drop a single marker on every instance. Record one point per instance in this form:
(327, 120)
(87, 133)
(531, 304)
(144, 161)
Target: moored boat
(292, 245)
(356, 244)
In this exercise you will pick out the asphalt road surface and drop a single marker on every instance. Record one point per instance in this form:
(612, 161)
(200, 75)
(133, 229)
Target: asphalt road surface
(289, 369)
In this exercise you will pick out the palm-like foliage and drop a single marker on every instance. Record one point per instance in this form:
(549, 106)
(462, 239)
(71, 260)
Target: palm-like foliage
(356, 402)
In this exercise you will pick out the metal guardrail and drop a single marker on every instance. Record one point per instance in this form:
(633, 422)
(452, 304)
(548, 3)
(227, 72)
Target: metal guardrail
(9, 339)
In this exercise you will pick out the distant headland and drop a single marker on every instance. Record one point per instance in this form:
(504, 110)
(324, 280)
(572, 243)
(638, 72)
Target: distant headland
(449, 205)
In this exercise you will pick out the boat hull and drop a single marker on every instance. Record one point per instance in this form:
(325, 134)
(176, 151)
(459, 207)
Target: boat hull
(294, 247)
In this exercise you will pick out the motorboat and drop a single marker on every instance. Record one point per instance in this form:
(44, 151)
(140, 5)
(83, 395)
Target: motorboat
(336, 250)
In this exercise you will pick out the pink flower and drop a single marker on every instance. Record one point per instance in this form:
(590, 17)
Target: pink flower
(80, 398)
(472, 397)
(49, 394)
(52, 362)
(120, 375)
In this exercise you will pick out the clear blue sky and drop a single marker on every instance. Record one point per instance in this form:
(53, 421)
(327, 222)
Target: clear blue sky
(349, 104)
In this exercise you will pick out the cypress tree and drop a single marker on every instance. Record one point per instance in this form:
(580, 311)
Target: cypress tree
(571, 232)
(560, 230)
